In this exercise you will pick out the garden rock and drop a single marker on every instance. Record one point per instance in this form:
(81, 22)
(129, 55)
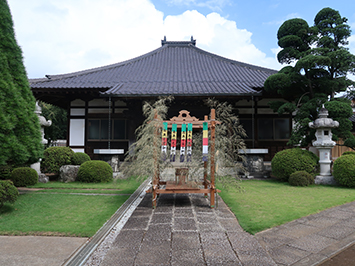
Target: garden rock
(68, 173)
(42, 178)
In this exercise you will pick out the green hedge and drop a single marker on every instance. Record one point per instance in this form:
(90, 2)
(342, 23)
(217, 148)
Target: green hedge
(8, 192)
(288, 161)
(301, 179)
(24, 176)
(80, 158)
(344, 170)
(56, 157)
(94, 172)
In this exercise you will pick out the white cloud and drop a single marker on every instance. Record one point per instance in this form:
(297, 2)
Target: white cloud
(66, 36)
(215, 5)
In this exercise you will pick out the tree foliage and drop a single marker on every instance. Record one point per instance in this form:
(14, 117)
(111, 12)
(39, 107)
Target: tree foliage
(321, 63)
(59, 118)
(20, 137)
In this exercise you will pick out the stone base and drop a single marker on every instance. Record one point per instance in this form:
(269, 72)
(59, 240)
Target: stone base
(325, 180)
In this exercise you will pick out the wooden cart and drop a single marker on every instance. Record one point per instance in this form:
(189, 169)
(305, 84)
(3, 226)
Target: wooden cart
(179, 185)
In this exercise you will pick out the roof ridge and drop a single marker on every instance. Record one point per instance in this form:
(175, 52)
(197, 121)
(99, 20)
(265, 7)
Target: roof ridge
(234, 61)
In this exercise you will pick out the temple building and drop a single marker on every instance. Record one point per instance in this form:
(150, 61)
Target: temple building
(105, 104)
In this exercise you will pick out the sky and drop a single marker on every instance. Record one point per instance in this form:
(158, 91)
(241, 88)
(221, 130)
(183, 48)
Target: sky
(64, 36)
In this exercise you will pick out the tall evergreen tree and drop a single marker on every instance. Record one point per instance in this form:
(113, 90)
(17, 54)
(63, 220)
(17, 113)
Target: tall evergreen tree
(321, 64)
(20, 136)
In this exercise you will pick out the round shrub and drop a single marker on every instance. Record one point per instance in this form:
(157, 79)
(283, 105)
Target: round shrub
(80, 158)
(55, 157)
(348, 153)
(344, 170)
(288, 161)
(301, 179)
(8, 192)
(94, 172)
(24, 176)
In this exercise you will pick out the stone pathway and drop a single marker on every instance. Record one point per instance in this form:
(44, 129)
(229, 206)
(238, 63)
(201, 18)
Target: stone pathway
(183, 230)
(312, 239)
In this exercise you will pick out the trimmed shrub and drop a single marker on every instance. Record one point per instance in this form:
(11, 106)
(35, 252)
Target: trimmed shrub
(288, 161)
(8, 192)
(5, 171)
(80, 158)
(348, 153)
(55, 157)
(24, 176)
(95, 171)
(344, 170)
(301, 179)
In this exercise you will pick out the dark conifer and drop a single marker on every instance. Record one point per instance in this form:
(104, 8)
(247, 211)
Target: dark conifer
(20, 137)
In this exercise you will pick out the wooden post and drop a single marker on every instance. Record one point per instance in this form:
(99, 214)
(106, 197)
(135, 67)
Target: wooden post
(155, 181)
(205, 169)
(213, 139)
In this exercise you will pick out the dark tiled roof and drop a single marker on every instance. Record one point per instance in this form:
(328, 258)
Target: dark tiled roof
(176, 68)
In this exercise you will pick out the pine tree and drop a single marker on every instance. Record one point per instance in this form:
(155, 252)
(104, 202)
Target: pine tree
(20, 137)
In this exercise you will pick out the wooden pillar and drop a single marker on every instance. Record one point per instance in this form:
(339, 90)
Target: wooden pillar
(213, 139)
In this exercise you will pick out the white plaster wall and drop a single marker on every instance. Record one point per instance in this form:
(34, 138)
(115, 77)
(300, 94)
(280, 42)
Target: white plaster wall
(77, 132)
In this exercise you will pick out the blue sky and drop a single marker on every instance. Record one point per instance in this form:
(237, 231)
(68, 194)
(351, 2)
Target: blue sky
(62, 36)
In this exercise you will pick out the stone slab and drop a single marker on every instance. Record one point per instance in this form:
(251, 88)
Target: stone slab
(37, 250)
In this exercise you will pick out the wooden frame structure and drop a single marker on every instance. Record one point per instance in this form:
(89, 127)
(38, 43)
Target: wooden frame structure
(171, 187)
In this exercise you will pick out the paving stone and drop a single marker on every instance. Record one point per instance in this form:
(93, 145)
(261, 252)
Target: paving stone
(164, 209)
(322, 221)
(312, 243)
(185, 240)
(129, 239)
(206, 218)
(204, 227)
(186, 257)
(213, 237)
(184, 224)
(230, 225)
(337, 213)
(136, 222)
(119, 256)
(161, 218)
(349, 207)
(296, 230)
(287, 255)
(349, 222)
(224, 213)
(183, 212)
(218, 252)
(270, 240)
(154, 255)
(256, 257)
(142, 211)
(337, 231)
(157, 234)
(243, 241)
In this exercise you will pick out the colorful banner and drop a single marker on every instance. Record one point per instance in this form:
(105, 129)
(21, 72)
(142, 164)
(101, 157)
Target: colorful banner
(164, 140)
(183, 143)
(189, 142)
(173, 142)
(205, 142)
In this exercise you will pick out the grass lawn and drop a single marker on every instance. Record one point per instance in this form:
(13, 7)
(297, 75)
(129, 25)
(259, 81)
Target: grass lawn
(266, 203)
(46, 213)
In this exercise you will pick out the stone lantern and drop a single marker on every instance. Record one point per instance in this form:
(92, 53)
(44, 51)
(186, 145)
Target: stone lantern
(324, 144)
(44, 123)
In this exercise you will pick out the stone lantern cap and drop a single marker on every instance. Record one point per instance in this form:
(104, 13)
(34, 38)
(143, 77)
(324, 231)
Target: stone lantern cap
(323, 121)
